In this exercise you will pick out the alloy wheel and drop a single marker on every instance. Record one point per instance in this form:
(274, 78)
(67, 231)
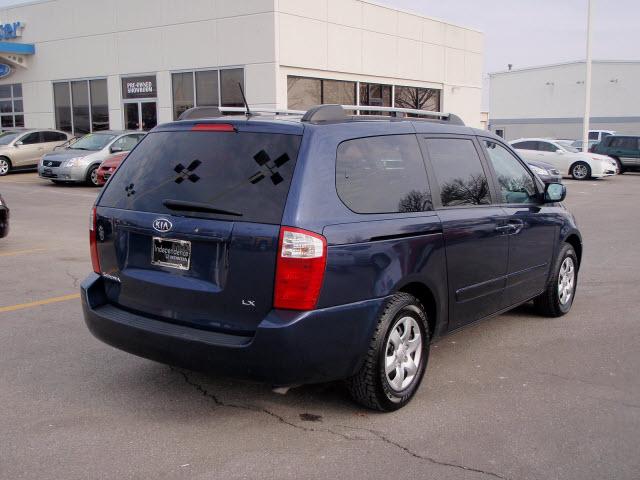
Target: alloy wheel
(580, 172)
(403, 353)
(566, 281)
(4, 166)
(93, 176)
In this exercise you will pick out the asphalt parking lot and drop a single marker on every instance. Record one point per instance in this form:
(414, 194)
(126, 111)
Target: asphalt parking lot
(517, 397)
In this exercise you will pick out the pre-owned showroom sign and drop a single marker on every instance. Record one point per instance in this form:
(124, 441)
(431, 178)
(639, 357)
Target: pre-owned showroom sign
(139, 87)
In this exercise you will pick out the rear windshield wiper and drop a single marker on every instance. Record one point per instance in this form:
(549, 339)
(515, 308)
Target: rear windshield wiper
(181, 206)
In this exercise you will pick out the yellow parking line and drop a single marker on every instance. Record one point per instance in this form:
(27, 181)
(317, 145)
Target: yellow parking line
(22, 306)
(22, 252)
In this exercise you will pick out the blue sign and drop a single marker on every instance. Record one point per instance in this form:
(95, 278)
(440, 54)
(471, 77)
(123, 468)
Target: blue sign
(9, 31)
(5, 70)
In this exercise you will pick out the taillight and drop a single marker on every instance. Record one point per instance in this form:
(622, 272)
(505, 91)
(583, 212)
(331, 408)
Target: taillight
(302, 258)
(93, 244)
(213, 127)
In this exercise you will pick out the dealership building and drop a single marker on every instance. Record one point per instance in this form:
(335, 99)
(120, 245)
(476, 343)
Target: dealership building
(549, 101)
(88, 65)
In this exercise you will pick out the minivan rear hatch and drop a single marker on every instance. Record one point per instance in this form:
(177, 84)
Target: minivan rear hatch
(188, 226)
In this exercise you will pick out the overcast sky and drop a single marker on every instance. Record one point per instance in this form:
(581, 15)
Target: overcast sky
(535, 32)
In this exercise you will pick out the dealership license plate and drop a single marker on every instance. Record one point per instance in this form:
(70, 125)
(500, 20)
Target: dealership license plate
(171, 253)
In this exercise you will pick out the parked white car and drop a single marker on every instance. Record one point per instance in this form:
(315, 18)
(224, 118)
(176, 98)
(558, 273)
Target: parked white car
(568, 160)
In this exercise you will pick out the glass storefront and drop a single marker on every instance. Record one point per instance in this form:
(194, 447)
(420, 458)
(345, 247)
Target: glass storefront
(81, 106)
(206, 88)
(11, 106)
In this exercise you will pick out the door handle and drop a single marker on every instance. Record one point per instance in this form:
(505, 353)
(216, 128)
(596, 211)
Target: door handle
(516, 226)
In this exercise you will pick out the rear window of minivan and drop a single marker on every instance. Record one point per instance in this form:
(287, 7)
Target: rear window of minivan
(220, 175)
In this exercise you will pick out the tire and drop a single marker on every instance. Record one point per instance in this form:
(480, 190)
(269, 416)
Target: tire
(5, 166)
(372, 387)
(92, 176)
(580, 171)
(621, 168)
(551, 302)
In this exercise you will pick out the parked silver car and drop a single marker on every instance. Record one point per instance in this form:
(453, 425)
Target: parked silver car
(79, 162)
(21, 149)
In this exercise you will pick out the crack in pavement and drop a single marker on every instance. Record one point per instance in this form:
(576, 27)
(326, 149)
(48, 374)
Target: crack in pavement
(75, 279)
(379, 435)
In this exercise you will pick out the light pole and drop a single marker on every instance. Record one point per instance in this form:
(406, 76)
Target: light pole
(587, 84)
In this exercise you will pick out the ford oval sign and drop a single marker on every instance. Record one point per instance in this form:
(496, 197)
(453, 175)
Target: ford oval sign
(162, 225)
(5, 70)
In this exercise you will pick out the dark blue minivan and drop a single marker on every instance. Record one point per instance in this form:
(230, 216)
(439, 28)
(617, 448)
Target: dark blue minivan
(297, 249)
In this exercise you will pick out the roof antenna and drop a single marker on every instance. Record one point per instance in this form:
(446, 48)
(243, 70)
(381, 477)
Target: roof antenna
(244, 99)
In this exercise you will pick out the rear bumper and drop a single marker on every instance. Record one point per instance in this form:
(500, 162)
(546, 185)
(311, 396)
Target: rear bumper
(288, 348)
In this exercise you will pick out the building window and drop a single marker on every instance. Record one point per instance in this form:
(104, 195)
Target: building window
(375, 95)
(207, 88)
(304, 93)
(417, 98)
(81, 106)
(11, 106)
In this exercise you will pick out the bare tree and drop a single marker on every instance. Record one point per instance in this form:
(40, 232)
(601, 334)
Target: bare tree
(474, 191)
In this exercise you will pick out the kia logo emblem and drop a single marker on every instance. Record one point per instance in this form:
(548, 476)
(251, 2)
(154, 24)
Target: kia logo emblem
(162, 225)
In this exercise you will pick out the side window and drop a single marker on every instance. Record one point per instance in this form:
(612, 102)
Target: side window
(516, 183)
(526, 145)
(53, 136)
(547, 147)
(458, 172)
(31, 138)
(593, 135)
(126, 143)
(382, 175)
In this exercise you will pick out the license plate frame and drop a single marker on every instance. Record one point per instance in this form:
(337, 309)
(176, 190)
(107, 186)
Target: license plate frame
(178, 260)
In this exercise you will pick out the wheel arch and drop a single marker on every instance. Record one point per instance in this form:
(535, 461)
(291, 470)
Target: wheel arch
(574, 240)
(429, 301)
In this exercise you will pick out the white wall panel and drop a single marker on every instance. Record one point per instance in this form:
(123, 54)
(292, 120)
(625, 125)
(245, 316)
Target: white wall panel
(303, 42)
(246, 39)
(379, 19)
(409, 59)
(316, 9)
(138, 51)
(345, 12)
(344, 49)
(191, 45)
(379, 54)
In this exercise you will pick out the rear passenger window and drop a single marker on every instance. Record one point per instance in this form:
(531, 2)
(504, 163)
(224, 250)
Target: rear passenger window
(547, 147)
(54, 137)
(526, 145)
(382, 175)
(458, 171)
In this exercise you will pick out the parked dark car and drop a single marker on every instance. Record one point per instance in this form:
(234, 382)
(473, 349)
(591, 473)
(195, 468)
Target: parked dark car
(547, 173)
(624, 149)
(4, 218)
(298, 250)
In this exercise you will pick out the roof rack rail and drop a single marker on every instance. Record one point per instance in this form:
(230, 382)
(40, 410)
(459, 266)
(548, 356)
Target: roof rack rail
(320, 113)
(216, 112)
(336, 113)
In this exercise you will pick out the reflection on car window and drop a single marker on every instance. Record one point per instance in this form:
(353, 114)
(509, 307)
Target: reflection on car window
(92, 141)
(382, 175)
(516, 183)
(459, 172)
(247, 173)
(8, 137)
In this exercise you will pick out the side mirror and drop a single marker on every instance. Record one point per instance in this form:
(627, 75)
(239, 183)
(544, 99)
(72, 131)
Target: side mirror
(559, 151)
(17, 144)
(115, 150)
(554, 192)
